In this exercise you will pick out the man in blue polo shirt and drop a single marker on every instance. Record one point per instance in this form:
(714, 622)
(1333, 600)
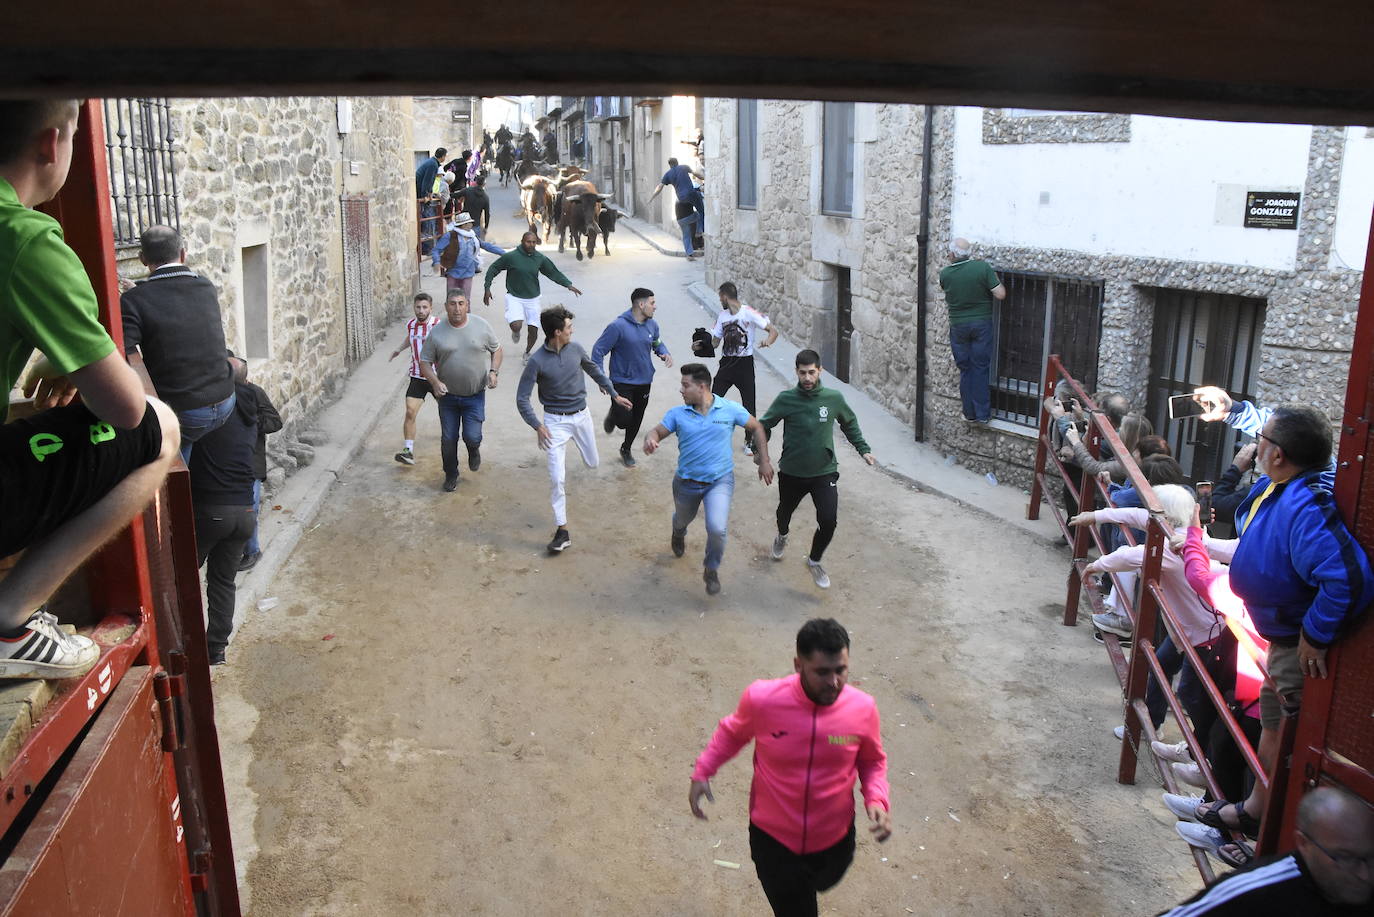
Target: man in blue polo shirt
(704, 424)
(632, 340)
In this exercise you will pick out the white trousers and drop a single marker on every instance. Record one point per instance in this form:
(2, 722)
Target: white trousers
(580, 429)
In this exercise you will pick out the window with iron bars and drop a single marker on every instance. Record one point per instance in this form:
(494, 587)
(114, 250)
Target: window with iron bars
(1040, 316)
(139, 149)
(1202, 338)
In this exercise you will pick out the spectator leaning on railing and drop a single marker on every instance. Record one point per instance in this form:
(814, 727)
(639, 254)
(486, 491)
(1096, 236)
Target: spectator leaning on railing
(1296, 567)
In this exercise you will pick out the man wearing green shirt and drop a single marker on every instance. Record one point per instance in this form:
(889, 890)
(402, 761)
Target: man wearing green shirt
(809, 413)
(970, 286)
(74, 473)
(523, 266)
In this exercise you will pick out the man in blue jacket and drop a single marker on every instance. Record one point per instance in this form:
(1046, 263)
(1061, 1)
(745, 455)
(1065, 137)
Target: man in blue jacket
(632, 340)
(1298, 569)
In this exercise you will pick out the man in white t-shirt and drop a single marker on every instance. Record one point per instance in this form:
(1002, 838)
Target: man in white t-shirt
(417, 329)
(736, 334)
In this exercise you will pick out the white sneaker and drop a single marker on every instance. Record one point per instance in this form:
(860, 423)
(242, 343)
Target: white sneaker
(1177, 752)
(818, 574)
(44, 650)
(1185, 807)
(1113, 622)
(1208, 839)
(748, 448)
(1189, 773)
(1119, 732)
(779, 546)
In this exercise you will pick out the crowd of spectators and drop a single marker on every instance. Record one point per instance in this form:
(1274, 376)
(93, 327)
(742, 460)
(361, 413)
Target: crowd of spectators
(1270, 599)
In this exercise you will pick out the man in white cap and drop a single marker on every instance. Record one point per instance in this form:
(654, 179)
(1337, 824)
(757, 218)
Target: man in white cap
(456, 255)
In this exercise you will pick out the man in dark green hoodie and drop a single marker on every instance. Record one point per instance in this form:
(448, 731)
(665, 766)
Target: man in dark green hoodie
(809, 413)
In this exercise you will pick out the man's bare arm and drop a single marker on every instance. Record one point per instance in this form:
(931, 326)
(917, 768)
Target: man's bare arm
(112, 390)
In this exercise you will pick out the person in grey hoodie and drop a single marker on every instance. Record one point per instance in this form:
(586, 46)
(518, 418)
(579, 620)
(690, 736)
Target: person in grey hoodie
(557, 368)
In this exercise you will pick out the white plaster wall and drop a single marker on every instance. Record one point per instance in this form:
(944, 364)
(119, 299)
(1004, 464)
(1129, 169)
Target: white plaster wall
(1165, 193)
(1350, 242)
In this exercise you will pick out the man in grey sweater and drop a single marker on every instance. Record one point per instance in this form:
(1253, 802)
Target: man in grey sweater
(557, 369)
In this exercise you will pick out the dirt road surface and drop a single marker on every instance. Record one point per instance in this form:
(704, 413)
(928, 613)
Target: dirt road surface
(439, 718)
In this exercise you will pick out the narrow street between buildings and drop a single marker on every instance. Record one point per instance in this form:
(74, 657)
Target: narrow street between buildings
(437, 717)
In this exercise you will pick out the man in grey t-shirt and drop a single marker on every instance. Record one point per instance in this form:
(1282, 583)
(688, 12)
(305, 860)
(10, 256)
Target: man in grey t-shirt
(460, 359)
(557, 368)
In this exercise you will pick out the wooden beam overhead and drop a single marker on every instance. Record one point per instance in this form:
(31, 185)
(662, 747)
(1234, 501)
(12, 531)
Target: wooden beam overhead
(1268, 60)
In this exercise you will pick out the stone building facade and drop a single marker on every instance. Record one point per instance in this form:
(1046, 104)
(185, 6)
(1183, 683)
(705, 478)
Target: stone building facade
(1144, 214)
(301, 211)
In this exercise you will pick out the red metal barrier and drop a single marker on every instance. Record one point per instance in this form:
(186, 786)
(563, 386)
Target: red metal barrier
(1133, 667)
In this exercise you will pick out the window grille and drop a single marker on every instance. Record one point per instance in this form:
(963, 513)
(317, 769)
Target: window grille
(837, 159)
(139, 144)
(1202, 339)
(747, 193)
(1040, 316)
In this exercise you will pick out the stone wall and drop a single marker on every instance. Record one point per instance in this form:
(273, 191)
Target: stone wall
(1309, 317)
(270, 172)
(783, 254)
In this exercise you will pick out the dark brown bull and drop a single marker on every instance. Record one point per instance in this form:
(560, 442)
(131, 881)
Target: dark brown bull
(536, 204)
(578, 211)
(606, 222)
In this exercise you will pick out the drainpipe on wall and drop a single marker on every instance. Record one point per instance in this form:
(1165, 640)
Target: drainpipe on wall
(922, 256)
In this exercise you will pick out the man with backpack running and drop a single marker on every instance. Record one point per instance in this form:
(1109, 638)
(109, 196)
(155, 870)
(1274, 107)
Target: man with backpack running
(455, 255)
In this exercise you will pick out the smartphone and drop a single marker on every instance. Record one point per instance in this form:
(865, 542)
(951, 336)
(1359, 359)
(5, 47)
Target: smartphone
(1184, 406)
(1204, 502)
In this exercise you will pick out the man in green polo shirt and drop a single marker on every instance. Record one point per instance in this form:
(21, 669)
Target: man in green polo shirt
(809, 414)
(970, 286)
(523, 266)
(74, 473)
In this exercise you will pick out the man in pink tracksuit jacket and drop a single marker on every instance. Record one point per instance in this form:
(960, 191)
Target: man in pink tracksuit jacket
(812, 736)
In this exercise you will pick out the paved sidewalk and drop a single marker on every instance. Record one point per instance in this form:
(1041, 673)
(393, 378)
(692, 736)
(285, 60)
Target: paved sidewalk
(895, 447)
(665, 242)
(374, 384)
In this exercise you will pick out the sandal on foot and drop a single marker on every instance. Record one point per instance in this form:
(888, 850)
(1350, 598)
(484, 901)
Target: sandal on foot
(1236, 854)
(1210, 814)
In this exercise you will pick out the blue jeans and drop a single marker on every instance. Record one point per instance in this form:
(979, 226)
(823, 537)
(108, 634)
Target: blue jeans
(252, 547)
(196, 422)
(698, 203)
(460, 417)
(688, 497)
(971, 343)
(688, 226)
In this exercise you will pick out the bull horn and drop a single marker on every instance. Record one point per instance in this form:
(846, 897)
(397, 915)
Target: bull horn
(602, 197)
(572, 197)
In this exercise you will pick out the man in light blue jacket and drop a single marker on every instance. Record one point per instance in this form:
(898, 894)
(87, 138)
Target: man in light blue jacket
(455, 255)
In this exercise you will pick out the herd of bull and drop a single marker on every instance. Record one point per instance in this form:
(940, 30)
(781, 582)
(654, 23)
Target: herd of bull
(565, 200)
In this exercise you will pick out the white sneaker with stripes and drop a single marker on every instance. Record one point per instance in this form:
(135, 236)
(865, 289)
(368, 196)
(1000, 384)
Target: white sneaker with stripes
(44, 650)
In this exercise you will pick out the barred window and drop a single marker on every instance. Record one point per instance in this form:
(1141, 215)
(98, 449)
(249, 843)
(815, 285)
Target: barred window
(1040, 316)
(837, 159)
(143, 184)
(747, 162)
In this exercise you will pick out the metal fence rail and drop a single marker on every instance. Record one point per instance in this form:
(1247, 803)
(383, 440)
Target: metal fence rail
(1151, 615)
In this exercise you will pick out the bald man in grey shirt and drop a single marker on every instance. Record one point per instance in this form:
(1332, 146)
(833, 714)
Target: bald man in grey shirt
(557, 368)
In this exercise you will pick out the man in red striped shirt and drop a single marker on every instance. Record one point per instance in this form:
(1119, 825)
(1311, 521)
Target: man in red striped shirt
(417, 329)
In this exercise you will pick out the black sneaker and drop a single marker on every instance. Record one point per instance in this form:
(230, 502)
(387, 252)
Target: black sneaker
(405, 457)
(249, 561)
(609, 423)
(217, 655)
(627, 457)
(561, 541)
(474, 458)
(679, 543)
(451, 482)
(712, 579)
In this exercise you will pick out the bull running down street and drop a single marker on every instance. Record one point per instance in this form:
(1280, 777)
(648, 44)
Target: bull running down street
(549, 727)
